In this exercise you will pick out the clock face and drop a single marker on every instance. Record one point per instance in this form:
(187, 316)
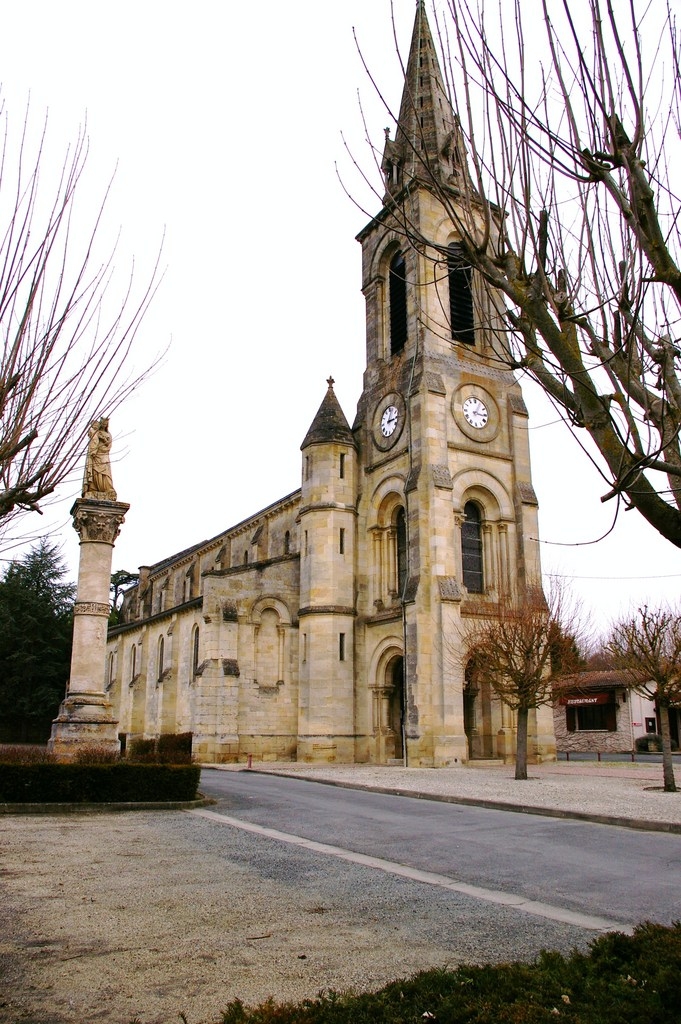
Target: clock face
(475, 412)
(389, 421)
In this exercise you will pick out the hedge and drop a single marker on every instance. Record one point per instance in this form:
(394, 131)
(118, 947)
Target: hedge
(99, 783)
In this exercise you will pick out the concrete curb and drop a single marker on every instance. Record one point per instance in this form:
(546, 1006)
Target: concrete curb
(493, 805)
(103, 808)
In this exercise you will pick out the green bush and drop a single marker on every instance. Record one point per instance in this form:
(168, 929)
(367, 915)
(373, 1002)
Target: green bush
(97, 783)
(622, 978)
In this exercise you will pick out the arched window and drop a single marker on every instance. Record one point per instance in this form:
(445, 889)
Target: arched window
(397, 278)
(161, 651)
(401, 542)
(471, 548)
(133, 662)
(460, 296)
(195, 650)
(287, 542)
(110, 671)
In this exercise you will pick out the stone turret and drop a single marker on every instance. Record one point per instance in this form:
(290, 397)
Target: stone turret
(327, 601)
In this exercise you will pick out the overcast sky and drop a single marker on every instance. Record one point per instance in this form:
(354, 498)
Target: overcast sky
(228, 126)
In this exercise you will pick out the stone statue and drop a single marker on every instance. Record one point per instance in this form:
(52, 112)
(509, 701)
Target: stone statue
(97, 482)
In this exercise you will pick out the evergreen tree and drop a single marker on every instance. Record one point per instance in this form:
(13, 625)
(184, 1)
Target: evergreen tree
(36, 620)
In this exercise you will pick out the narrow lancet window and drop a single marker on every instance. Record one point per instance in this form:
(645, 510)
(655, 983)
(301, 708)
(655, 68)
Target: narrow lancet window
(471, 549)
(401, 538)
(398, 304)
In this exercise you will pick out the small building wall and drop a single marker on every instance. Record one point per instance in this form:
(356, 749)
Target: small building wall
(630, 713)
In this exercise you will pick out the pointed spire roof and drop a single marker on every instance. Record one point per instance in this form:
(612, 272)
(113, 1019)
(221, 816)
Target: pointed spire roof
(428, 141)
(330, 424)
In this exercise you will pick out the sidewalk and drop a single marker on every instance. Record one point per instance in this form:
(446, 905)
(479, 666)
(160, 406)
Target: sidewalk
(622, 794)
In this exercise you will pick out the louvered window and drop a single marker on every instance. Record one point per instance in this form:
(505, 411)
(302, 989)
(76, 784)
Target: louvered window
(471, 549)
(460, 296)
(398, 304)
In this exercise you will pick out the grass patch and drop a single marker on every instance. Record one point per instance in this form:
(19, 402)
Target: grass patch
(632, 979)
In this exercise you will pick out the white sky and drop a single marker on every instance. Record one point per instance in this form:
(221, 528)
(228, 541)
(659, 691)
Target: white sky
(224, 122)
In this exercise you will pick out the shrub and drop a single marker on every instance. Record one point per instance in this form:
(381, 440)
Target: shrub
(169, 748)
(174, 748)
(622, 978)
(25, 753)
(96, 755)
(97, 783)
(141, 750)
(649, 743)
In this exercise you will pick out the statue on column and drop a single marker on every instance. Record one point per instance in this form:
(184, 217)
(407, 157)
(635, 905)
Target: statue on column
(97, 481)
(86, 713)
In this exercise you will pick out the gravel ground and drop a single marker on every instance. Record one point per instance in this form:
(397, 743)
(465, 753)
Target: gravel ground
(111, 916)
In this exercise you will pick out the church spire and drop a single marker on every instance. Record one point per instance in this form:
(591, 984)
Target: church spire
(428, 142)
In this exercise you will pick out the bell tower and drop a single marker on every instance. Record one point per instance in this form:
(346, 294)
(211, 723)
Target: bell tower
(442, 428)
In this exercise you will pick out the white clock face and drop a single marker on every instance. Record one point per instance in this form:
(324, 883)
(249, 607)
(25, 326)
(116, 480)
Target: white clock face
(475, 412)
(389, 421)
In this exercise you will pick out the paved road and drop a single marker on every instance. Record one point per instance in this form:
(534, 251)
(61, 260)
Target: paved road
(617, 873)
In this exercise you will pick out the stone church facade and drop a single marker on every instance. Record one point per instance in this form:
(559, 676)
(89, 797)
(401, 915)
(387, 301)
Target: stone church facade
(325, 627)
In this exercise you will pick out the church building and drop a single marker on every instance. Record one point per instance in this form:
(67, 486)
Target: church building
(326, 627)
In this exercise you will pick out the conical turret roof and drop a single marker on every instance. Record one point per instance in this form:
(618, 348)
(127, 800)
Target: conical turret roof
(330, 424)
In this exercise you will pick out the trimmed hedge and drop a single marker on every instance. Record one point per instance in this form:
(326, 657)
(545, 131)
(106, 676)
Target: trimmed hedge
(97, 783)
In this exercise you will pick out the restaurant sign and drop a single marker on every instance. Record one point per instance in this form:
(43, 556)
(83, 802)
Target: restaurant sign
(585, 701)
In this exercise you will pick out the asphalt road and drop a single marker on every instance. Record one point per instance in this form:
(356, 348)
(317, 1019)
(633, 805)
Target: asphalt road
(619, 874)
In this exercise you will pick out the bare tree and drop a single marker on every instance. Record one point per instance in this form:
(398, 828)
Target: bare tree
(520, 653)
(65, 341)
(569, 112)
(647, 647)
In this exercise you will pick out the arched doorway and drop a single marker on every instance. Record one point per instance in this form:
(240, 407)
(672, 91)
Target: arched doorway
(477, 714)
(387, 699)
(395, 679)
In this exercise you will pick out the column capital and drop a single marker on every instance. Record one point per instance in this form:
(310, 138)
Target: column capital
(98, 521)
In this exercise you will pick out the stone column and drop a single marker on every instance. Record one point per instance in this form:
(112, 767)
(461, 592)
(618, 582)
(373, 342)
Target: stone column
(85, 717)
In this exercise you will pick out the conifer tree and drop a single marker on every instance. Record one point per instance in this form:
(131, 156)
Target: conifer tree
(36, 618)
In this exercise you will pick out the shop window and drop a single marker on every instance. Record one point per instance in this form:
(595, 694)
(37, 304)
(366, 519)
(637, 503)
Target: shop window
(471, 549)
(591, 718)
